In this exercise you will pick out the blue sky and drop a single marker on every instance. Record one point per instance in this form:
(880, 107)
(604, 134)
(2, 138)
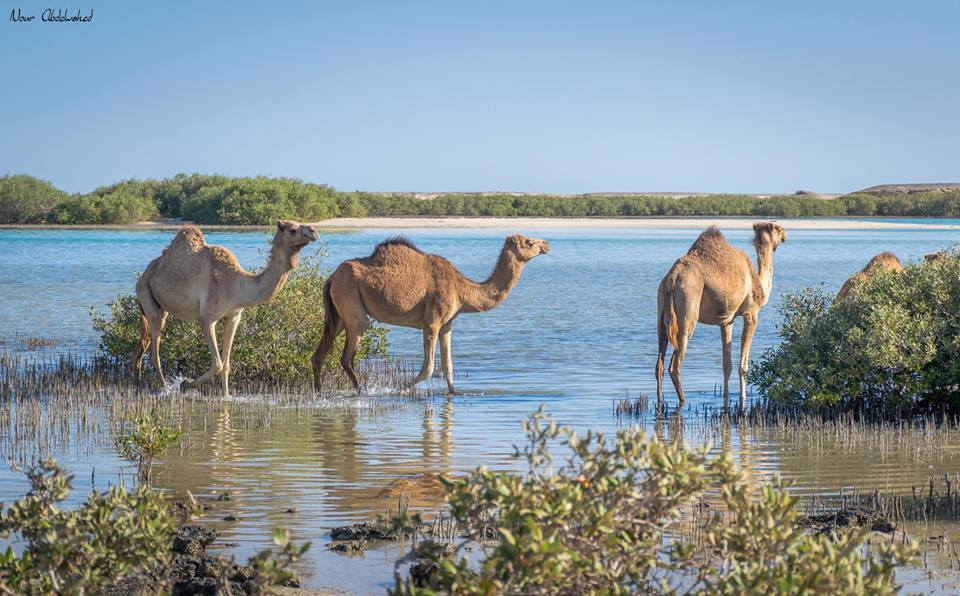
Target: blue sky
(472, 96)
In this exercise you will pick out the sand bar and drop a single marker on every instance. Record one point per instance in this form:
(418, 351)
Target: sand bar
(516, 223)
(526, 223)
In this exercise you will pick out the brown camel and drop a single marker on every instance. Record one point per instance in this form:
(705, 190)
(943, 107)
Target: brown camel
(935, 256)
(400, 285)
(203, 284)
(713, 284)
(885, 261)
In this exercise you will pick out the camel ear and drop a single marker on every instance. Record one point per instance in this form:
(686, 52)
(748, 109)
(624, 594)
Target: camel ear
(283, 225)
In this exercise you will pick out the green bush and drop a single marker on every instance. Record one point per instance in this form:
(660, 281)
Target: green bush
(610, 521)
(274, 342)
(119, 207)
(111, 537)
(271, 570)
(251, 201)
(27, 200)
(214, 199)
(83, 550)
(894, 344)
(142, 445)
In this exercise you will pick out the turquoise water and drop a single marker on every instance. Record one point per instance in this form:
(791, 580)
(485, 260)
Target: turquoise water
(580, 319)
(576, 333)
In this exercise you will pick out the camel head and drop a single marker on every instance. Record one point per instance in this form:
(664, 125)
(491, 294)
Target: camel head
(293, 236)
(768, 233)
(526, 248)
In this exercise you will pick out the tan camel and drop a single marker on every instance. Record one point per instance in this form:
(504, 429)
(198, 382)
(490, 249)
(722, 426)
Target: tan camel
(203, 284)
(400, 285)
(885, 261)
(713, 284)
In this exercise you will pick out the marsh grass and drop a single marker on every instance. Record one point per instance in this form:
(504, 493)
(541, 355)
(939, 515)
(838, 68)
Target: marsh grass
(76, 403)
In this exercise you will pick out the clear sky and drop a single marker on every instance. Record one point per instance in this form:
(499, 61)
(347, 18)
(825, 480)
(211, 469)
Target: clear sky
(486, 95)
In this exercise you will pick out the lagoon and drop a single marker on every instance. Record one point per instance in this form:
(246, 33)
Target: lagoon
(576, 334)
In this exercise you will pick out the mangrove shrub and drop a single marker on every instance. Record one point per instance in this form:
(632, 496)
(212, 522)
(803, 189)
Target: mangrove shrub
(110, 540)
(628, 517)
(80, 551)
(118, 207)
(893, 344)
(27, 200)
(215, 199)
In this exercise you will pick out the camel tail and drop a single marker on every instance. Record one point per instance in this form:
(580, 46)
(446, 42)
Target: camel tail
(668, 329)
(331, 328)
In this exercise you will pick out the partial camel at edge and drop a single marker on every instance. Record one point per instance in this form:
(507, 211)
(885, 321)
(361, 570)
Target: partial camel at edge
(203, 284)
(713, 284)
(398, 284)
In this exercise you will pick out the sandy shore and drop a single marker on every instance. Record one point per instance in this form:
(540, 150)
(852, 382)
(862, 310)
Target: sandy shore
(528, 223)
(525, 223)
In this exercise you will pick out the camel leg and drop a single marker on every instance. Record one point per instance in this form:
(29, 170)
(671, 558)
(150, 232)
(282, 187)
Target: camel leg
(216, 365)
(152, 320)
(750, 321)
(349, 351)
(430, 333)
(661, 355)
(142, 345)
(726, 338)
(676, 360)
(320, 354)
(229, 329)
(156, 328)
(676, 363)
(446, 357)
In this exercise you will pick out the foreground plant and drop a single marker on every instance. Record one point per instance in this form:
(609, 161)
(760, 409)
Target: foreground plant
(609, 520)
(147, 441)
(114, 541)
(274, 570)
(84, 549)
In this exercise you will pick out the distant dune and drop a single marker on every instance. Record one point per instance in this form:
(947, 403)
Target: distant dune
(900, 189)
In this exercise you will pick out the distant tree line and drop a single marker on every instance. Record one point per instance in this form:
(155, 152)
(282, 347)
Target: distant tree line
(212, 199)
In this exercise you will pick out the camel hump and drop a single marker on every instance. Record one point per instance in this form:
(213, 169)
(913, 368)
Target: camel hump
(188, 239)
(884, 260)
(396, 241)
(223, 257)
(710, 241)
(393, 248)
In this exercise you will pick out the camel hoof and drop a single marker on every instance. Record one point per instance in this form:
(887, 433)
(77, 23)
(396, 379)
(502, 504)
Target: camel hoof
(187, 384)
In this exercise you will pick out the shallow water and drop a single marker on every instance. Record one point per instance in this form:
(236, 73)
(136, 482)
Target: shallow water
(576, 334)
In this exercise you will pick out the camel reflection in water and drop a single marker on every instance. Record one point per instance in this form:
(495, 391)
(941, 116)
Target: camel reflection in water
(328, 462)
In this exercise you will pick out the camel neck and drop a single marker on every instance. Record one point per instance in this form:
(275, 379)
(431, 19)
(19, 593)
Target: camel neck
(765, 270)
(263, 286)
(480, 297)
